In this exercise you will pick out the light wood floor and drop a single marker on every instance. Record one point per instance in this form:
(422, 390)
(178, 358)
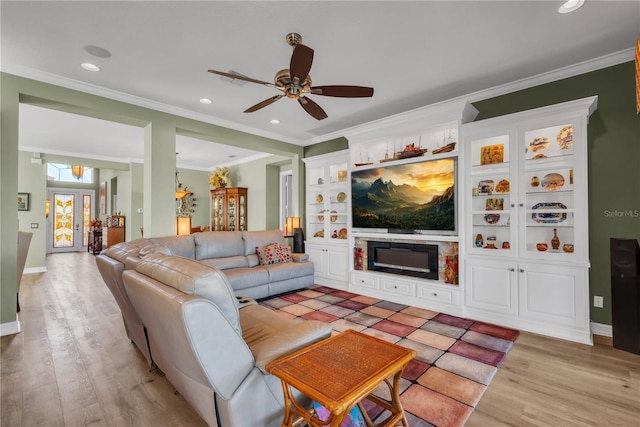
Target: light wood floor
(72, 365)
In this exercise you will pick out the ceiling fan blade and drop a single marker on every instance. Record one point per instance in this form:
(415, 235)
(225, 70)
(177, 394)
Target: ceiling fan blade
(343, 91)
(312, 108)
(263, 104)
(241, 77)
(301, 61)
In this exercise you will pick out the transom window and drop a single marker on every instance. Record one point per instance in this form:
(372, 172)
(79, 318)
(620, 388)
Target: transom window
(69, 173)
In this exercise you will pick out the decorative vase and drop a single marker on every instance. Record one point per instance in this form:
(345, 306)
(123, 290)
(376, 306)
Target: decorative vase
(555, 241)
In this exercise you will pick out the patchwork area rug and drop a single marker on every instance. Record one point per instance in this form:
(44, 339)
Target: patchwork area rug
(456, 358)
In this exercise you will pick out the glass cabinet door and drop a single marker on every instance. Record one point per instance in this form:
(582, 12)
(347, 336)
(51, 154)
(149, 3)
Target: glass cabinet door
(548, 188)
(493, 198)
(231, 217)
(242, 206)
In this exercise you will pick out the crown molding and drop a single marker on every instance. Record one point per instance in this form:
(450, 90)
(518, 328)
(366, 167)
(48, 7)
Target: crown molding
(73, 84)
(548, 77)
(555, 75)
(526, 83)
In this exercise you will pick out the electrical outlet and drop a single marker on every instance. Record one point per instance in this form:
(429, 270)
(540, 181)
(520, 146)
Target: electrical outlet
(34, 225)
(598, 301)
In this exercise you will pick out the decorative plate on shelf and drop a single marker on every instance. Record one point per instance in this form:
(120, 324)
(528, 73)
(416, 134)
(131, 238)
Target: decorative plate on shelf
(492, 218)
(319, 233)
(565, 137)
(552, 181)
(490, 154)
(334, 216)
(539, 144)
(321, 218)
(503, 186)
(341, 197)
(486, 186)
(548, 217)
(319, 198)
(342, 234)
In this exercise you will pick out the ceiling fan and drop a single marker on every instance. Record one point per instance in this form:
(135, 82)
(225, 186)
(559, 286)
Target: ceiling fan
(295, 82)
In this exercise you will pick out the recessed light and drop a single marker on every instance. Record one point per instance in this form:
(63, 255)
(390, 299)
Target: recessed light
(570, 6)
(90, 67)
(275, 121)
(205, 101)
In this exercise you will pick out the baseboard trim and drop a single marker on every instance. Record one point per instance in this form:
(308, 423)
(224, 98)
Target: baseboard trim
(31, 270)
(601, 329)
(10, 328)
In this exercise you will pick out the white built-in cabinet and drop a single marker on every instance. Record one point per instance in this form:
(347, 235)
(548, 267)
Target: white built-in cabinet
(526, 213)
(327, 211)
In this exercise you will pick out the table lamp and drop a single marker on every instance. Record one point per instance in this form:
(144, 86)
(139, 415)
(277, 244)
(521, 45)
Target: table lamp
(183, 225)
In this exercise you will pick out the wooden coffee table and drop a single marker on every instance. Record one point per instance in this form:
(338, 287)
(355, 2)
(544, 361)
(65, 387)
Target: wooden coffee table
(339, 373)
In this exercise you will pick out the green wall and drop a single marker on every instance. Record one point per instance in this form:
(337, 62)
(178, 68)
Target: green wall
(262, 177)
(614, 160)
(326, 147)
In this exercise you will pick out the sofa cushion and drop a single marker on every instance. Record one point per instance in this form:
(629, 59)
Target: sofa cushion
(183, 246)
(252, 239)
(122, 250)
(291, 270)
(227, 262)
(155, 248)
(271, 335)
(242, 278)
(193, 278)
(218, 244)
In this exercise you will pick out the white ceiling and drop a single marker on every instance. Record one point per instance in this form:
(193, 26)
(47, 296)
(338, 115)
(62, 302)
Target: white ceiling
(413, 53)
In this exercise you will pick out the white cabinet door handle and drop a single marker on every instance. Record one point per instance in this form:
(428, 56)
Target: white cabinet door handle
(512, 269)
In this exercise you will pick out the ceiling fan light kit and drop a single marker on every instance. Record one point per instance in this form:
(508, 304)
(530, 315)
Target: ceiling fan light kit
(295, 82)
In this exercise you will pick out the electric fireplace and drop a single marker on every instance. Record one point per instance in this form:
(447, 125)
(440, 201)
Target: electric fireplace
(408, 259)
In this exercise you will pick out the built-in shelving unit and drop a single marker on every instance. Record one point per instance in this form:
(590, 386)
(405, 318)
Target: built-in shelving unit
(327, 217)
(525, 187)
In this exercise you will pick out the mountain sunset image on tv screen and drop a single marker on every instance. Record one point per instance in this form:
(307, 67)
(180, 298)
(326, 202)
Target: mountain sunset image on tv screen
(407, 198)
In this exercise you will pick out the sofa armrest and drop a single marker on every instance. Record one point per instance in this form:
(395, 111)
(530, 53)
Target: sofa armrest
(296, 257)
(286, 342)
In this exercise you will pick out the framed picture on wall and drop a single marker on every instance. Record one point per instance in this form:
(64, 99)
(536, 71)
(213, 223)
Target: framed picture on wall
(103, 197)
(24, 200)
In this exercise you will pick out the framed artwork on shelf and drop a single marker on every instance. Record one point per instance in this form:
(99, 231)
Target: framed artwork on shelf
(24, 201)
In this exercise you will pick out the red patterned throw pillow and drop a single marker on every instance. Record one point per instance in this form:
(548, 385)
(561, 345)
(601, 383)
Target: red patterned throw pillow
(273, 254)
(284, 254)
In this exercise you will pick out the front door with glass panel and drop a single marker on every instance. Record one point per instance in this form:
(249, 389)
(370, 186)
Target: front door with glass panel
(69, 220)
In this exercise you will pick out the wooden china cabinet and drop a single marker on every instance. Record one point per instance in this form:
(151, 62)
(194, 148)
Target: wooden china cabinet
(229, 209)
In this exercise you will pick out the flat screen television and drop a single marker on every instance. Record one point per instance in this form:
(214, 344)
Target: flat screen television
(410, 198)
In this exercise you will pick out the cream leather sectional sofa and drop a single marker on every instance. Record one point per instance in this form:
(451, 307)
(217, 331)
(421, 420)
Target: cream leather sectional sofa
(183, 302)
(232, 252)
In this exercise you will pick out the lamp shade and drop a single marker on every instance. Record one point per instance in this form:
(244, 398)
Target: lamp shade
(77, 171)
(183, 225)
(292, 223)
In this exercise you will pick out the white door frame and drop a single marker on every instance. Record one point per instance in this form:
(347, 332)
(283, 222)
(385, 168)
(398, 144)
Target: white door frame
(78, 245)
